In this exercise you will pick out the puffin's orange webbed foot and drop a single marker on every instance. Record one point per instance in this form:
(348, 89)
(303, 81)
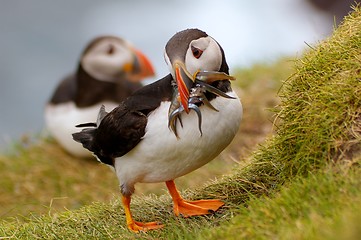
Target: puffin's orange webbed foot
(196, 208)
(143, 227)
(191, 208)
(136, 226)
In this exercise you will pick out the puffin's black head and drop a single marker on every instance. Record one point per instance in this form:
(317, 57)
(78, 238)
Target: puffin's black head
(107, 57)
(190, 52)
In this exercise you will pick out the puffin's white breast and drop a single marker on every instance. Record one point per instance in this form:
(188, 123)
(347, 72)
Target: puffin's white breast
(160, 156)
(61, 119)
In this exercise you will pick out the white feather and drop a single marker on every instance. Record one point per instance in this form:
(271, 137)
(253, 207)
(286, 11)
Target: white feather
(160, 156)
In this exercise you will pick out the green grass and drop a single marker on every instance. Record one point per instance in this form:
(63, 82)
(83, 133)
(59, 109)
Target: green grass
(42, 178)
(325, 205)
(303, 182)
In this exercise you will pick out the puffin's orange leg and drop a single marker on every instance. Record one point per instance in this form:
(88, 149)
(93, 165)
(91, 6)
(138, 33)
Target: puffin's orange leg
(134, 225)
(191, 208)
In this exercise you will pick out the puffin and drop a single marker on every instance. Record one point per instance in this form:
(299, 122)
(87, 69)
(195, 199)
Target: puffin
(170, 127)
(110, 69)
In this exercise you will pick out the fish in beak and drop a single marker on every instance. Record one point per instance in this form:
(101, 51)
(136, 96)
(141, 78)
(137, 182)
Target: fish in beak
(189, 92)
(212, 76)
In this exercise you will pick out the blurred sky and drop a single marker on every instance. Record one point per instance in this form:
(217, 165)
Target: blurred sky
(41, 40)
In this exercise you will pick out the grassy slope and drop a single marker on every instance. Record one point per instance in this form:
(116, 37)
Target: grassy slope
(325, 205)
(303, 183)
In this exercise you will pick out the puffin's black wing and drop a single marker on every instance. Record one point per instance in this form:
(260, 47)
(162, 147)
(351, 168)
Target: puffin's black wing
(123, 128)
(65, 91)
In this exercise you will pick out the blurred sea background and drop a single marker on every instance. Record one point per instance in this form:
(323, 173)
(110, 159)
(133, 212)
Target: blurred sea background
(41, 41)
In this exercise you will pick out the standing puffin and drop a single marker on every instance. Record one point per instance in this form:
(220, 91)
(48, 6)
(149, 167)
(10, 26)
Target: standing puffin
(170, 127)
(110, 69)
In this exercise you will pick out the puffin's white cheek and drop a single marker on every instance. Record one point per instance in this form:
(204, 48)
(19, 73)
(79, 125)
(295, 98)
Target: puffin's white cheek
(192, 64)
(110, 68)
(214, 62)
(212, 57)
(103, 67)
(210, 60)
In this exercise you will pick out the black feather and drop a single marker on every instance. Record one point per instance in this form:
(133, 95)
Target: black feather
(118, 132)
(86, 125)
(85, 137)
(102, 113)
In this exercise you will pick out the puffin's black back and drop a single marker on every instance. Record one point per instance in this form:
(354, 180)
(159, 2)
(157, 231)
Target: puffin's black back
(123, 128)
(91, 91)
(65, 91)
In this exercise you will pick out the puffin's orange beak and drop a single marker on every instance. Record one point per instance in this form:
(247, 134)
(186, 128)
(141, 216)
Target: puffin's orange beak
(184, 82)
(140, 68)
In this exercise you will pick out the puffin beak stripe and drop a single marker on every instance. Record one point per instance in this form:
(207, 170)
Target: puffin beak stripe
(141, 68)
(182, 88)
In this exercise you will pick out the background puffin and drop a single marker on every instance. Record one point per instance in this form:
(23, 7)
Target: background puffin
(110, 69)
(137, 137)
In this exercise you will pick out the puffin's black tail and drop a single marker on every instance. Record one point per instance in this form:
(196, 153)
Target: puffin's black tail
(87, 135)
(86, 138)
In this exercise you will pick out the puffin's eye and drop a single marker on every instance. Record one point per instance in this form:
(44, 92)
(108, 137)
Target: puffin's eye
(111, 50)
(197, 53)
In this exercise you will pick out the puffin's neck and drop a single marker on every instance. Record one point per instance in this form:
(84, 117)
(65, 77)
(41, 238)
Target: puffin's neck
(91, 91)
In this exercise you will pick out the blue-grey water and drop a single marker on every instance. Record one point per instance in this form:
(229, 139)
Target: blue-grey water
(41, 40)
